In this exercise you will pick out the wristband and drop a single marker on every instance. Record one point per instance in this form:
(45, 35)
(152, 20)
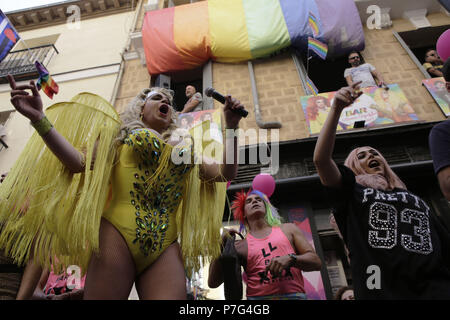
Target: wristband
(42, 126)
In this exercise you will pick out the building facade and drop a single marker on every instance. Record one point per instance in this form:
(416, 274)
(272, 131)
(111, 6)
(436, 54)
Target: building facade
(79, 42)
(271, 90)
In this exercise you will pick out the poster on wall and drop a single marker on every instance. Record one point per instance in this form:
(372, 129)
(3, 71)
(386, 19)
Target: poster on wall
(438, 90)
(312, 280)
(376, 106)
(205, 128)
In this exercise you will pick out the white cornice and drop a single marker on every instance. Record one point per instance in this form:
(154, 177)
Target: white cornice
(44, 16)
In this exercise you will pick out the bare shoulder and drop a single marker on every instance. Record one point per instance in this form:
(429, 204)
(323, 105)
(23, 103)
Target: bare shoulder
(289, 227)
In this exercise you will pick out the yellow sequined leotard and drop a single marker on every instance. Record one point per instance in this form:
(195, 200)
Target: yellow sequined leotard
(147, 188)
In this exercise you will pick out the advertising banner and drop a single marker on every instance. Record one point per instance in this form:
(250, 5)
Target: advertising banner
(376, 106)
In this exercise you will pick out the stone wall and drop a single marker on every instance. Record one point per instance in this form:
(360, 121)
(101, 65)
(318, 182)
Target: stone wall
(279, 86)
(279, 90)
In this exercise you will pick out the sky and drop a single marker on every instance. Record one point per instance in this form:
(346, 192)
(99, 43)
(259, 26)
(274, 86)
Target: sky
(13, 5)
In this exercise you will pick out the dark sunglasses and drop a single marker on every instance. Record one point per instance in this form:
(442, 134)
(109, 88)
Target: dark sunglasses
(353, 58)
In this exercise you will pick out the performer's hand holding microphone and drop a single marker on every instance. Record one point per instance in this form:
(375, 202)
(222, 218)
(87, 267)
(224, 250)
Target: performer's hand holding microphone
(233, 109)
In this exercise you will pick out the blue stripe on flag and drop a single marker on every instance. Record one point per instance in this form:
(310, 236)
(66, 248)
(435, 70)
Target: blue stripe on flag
(8, 36)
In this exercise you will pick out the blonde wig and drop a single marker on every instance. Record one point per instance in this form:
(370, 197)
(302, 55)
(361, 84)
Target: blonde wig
(387, 182)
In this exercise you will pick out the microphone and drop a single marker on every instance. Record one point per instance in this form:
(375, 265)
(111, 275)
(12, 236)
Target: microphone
(210, 92)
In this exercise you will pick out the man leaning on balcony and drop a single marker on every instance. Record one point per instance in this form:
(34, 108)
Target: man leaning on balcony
(195, 101)
(361, 71)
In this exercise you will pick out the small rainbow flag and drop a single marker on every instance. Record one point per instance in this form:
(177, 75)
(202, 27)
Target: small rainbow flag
(318, 47)
(45, 81)
(311, 87)
(313, 24)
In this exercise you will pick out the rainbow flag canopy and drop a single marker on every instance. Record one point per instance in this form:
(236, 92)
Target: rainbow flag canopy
(187, 36)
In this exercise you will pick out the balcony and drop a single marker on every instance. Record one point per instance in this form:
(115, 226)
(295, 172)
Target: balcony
(20, 63)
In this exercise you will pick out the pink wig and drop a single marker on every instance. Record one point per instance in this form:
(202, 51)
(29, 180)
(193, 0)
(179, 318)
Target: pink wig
(387, 182)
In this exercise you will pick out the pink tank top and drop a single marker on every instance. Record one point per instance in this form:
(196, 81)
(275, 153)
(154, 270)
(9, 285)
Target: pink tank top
(260, 252)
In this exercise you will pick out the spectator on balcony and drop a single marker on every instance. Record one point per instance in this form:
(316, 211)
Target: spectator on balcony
(439, 142)
(433, 63)
(361, 71)
(399, 248)
(195, 100)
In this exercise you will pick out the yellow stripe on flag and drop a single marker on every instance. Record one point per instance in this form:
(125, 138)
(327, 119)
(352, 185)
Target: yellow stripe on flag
(228, 31)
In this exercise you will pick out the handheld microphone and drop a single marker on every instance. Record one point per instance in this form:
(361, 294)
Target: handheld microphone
(210, 92)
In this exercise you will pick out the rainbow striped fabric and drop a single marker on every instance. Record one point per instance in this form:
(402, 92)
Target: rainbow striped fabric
(45, 81)
(312, 21)
(187, 36)
(321, 49)
(311, 87)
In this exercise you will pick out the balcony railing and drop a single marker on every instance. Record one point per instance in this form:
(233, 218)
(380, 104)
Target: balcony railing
(20, 63)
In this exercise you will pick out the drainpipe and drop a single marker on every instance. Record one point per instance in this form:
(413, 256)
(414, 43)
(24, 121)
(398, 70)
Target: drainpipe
(258, 117)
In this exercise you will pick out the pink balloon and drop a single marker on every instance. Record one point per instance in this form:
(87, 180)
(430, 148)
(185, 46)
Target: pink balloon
(265, 183)
(443, 45)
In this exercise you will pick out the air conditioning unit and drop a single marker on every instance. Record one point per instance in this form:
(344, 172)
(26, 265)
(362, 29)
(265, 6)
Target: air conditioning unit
(418, 18)
(162, 81)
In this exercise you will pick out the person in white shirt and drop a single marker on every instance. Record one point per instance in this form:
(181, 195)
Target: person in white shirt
(195, 100)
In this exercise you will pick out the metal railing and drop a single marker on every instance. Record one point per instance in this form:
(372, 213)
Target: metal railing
(20, 63)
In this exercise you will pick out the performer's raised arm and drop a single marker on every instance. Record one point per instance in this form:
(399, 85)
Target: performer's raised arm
(30, 105)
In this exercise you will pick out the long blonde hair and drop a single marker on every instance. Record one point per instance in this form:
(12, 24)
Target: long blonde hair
(387, 182)
(131, 116)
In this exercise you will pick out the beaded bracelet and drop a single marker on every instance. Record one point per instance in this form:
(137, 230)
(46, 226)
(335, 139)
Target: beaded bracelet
(42, 126)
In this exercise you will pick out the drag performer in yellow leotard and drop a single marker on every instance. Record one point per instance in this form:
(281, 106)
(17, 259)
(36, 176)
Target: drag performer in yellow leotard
(149, 226)
(113, 198)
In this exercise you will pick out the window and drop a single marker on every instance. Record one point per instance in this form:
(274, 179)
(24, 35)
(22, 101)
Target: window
(177, 81)
(419, 41)
(327, 75)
